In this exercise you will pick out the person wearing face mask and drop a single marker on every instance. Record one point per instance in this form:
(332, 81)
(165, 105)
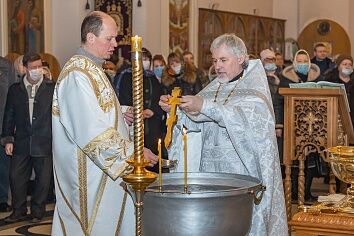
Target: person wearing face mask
(27, 137)
(302, 70)
(158, 65)
(273, 73)
(153, 114)
(180, 74)
(188, 57)
(343, 74)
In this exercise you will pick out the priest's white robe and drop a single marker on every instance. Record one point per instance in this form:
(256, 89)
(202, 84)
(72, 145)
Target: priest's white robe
(90, 148)
(237, 135)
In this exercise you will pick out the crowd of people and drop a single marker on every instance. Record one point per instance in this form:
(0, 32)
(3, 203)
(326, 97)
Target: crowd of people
(91, 135)
(303, 69)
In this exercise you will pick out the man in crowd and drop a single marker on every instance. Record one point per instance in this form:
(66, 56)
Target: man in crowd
(27, 136)
(232, 121)
(273, 72)
(320, 58)
(91, 141)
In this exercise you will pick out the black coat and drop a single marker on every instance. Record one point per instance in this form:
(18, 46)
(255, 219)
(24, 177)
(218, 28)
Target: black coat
(7, 78)
(29, 139)
(153, 126)
(183, 80)
(333, 76)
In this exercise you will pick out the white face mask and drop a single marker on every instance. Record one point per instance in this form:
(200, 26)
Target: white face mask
(177, 69)
(146, 65)
(347, 71)
(36, 74)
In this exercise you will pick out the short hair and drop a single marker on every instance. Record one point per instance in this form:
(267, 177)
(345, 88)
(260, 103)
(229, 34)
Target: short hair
(278, 54)
(185, 53)
(91, 24)
(159, 57)
(174, 57)
(30, 57)
(234, 44)
(318, 45)
(146, 53)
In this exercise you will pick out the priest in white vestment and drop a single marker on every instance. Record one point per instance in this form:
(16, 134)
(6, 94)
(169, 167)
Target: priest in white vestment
(231, 129)
(90, 141)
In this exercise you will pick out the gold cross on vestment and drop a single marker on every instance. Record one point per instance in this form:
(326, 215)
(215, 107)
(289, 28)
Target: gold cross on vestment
(173, 101)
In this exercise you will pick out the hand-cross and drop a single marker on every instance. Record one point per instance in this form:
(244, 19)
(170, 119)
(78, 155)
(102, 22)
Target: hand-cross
(173, 101)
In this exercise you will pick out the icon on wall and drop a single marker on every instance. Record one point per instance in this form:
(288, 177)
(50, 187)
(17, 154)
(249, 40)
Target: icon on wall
(323, 28)
(121, 12)
(291, 47)
(25, 26)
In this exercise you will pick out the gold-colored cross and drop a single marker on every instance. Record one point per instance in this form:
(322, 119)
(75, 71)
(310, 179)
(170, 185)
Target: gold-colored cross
(173, 101)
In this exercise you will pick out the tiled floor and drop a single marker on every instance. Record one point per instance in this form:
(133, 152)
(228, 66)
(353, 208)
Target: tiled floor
(27, 228)
(44, 227)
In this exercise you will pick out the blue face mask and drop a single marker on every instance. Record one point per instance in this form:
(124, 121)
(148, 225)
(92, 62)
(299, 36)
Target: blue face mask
(270, 67)
(158, 71)
(302, 68)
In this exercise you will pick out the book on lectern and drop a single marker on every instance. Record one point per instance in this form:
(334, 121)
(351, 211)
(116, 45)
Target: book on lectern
(323, 84)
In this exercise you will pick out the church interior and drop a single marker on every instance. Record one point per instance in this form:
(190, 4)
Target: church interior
(314, 120)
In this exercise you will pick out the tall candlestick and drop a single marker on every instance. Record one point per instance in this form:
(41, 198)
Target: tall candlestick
(185, 158)
(160, 163)
(139, 178)
(137, 79)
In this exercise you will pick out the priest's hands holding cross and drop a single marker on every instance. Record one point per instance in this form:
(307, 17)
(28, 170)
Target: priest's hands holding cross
(188, 103)
(191, 103)
(163, 103)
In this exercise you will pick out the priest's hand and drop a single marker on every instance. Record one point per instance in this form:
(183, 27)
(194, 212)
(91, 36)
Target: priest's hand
(191, 103)
(150, 156)
(9, 147)
(164, 103)
(129, 116)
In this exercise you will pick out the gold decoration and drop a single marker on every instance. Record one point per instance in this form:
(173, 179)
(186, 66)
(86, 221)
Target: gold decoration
(173, 101)
(342, 163)
(102, 87)
(108, 141)
(140, 178)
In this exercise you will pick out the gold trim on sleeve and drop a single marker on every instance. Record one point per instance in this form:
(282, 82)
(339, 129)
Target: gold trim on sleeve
(108, 140)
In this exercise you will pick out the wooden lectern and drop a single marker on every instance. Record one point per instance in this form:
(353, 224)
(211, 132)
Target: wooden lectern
(314, 120)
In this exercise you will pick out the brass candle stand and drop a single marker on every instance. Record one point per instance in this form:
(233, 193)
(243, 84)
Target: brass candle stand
(342, 163)
(140, 178)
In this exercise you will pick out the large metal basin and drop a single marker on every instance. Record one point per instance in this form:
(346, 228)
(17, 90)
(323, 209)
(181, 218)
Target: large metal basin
(216, 204)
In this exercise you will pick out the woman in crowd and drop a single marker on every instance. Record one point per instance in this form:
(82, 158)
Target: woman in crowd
(343, 74)
(180, 74)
